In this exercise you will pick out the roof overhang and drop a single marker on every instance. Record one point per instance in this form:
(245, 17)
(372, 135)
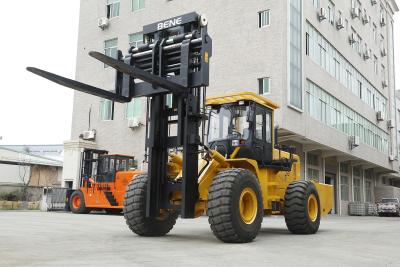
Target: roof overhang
(235, 97)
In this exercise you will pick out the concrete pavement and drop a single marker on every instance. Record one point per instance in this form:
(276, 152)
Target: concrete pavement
(62, 239)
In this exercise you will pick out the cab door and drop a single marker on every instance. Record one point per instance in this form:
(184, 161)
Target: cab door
(262, 139)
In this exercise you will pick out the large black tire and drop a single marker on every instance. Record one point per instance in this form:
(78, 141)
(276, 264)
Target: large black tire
(77, 203)
(299, 219)
(135, 211)
(224, 211)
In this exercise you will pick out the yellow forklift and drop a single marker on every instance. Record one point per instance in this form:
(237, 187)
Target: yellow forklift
(218, 157)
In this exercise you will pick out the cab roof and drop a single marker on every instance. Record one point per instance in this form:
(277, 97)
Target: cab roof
(236, 97)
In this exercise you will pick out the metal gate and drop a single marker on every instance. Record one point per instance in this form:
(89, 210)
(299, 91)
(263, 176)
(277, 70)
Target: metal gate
(54, 198)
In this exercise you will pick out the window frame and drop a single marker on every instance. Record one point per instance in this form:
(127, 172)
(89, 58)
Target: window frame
(139, 8)
(261, 85)
(260, 17)
(111, 111)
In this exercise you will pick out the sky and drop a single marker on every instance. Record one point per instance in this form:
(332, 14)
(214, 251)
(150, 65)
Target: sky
(44, 34)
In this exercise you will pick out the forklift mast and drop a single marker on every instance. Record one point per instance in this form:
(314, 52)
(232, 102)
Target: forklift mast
(172, 63)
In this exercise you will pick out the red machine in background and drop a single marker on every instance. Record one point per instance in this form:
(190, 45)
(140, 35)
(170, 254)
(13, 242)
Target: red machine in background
(104, 179)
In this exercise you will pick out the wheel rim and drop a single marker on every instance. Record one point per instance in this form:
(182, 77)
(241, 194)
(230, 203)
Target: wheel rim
(312, 207)
(76, 202)
(248, 205)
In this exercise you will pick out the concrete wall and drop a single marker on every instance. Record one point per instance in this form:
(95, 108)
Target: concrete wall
(17, 174)
(30, 193)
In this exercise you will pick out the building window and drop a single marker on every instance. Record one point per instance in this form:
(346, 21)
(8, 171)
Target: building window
(312, 159)
(263, 19)
(134, 108)
(169, 100)
(328, 58)
(136, 39)
(264, 85)
(357, 189)
(106, 110)
(138, 4)
(329, 110)
(296, 85)
(374, 33)
(368, 191)
(112, 8)
(312, 174)
(331, 12)
(376, 65)
(111, 49)
(344, 187)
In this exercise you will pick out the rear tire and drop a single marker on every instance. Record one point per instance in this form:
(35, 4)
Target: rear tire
(77, 203)
(302, 208)
(235, 208)
(135, 211)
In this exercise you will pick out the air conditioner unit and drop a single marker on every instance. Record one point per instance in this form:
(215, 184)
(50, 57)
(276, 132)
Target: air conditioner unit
(373, 2)
(322, 14)
(390, 124)
(352, 38)
(355, 12)
(379, 116)
(367, 54)
(340, 24)
(383, 52)
(383, 20)
(102, 23)
(134, 123)
(384, 83)
(354, 141)
(392, 157)
(88, 135)
(365, 19)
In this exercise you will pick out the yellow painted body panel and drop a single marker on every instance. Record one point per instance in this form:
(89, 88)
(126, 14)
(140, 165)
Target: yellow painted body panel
(273, 183)
(325, 193)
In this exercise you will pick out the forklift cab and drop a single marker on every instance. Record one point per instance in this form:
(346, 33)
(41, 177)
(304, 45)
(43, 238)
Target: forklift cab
(109, 165)
(242, 127)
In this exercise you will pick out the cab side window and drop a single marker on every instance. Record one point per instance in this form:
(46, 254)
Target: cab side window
(263, 126)
(259, 131)
(259, 126)
(268, 128)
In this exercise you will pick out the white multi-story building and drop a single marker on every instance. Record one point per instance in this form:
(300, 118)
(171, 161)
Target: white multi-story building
(328, 64)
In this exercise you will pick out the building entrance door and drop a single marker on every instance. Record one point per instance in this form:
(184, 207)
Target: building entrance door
(330, 179)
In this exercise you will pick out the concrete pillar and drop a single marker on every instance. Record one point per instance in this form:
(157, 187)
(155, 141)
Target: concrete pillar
(351, 198)
(363, 185)
(72, 161)
(339, 193)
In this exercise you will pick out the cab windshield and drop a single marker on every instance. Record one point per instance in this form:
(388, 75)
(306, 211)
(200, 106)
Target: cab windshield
(228, 122)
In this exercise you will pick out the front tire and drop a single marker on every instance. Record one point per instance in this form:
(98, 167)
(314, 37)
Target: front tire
(235, 206)
(302, 208)
(77, 203)
(135, 211)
